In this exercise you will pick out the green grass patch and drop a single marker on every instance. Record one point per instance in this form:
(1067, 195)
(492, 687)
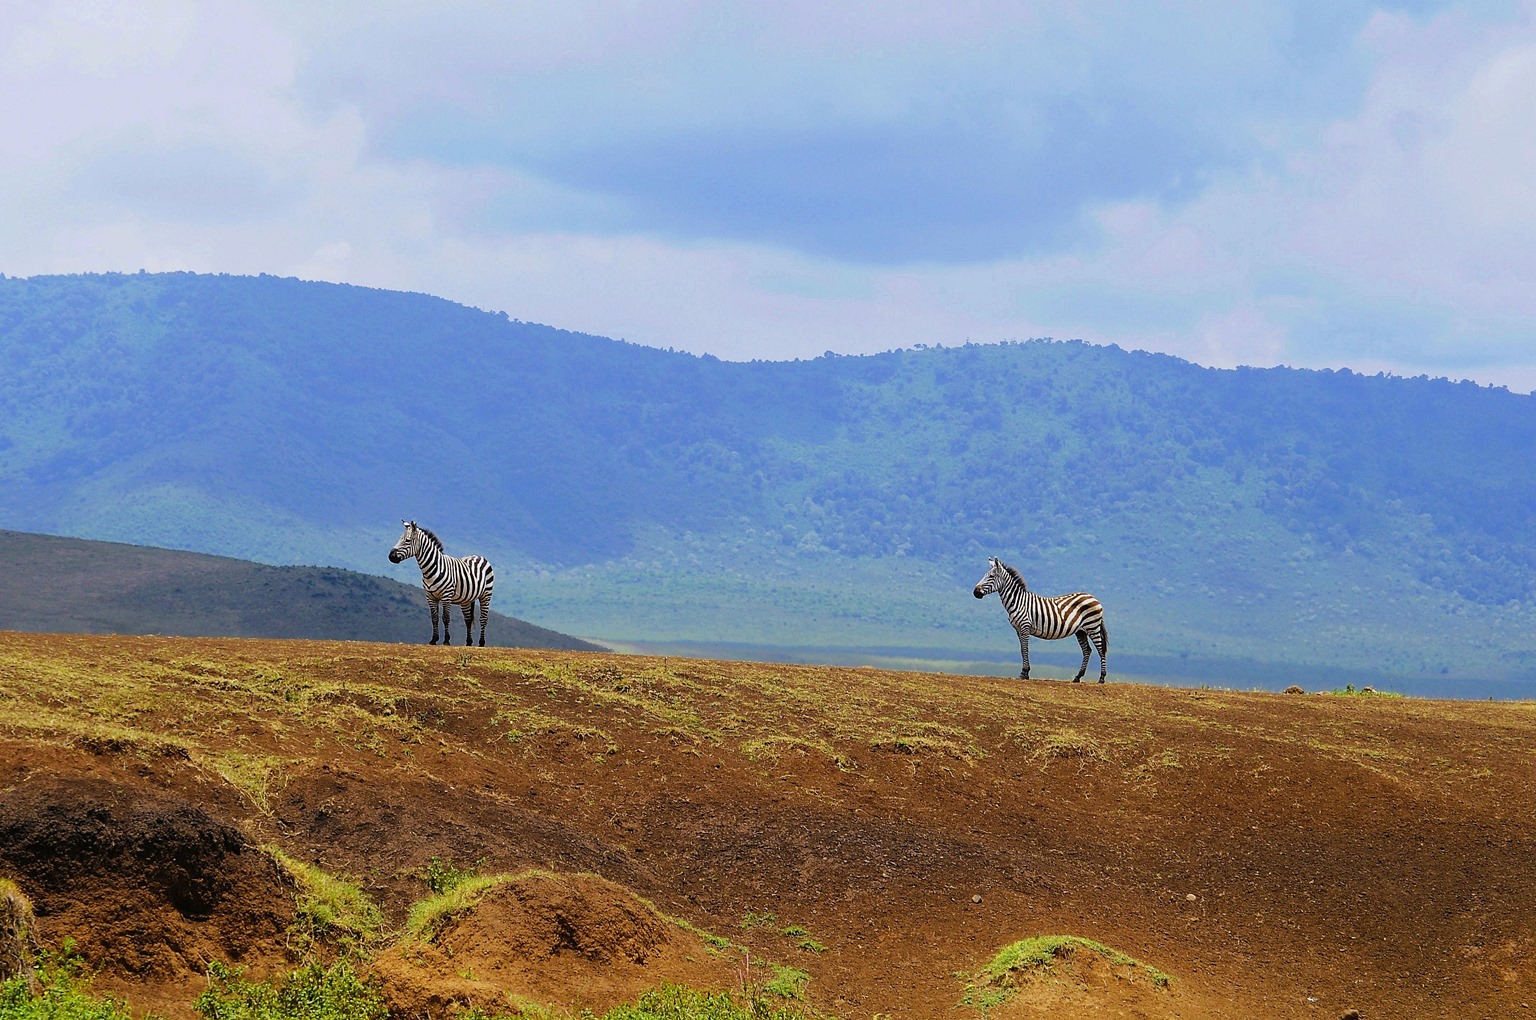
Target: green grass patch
(996, 983)
(430, 916)
(787, 983)
(57, 987)
(313, 992)
(765, 920)
(678, 1002)
(331, 912)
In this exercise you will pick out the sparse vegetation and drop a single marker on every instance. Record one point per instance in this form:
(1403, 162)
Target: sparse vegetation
(326, 729)
(18, 943)
(995, 983)
(678, 1002)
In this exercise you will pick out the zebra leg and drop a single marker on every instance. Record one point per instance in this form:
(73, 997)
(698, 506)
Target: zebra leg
(432, 604)
(1024, 654)
(485, 610)
(1103, 639)
(469, 624)
(1082, 639)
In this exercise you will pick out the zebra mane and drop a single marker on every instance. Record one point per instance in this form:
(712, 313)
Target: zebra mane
(1014, 574)
(432, 536)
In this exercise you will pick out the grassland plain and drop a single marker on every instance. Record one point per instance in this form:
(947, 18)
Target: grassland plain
(875, 841)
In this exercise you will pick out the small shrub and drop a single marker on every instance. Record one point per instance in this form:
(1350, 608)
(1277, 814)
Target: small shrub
(444, 876)
(787, 983)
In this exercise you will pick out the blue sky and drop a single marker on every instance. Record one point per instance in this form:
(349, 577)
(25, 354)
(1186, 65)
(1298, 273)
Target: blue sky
(1314, 184)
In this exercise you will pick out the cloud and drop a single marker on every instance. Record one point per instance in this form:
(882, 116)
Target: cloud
(1311, 183)
(950, 135)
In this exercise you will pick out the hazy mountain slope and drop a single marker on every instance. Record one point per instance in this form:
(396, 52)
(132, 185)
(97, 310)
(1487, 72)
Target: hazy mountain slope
(74, 586)
(1308, 519)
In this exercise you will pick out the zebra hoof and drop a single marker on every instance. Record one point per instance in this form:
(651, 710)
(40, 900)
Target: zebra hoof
(1077, 679)
(1101, 679)
(432, 642)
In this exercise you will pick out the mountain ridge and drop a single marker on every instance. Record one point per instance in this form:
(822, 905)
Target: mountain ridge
(1304, 519)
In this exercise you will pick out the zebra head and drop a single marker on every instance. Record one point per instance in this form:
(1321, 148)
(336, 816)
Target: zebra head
(991, 580)
(408, 544)
(997, 573)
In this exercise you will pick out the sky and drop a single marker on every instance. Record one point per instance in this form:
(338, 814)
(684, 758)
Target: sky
(1236, 182)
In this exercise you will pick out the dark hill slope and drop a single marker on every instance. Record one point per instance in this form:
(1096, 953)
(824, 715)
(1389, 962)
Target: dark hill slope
(73, 586)
(1299, 518)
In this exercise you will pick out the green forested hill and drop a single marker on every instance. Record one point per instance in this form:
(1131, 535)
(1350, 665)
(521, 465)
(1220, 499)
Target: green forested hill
(1254, 523)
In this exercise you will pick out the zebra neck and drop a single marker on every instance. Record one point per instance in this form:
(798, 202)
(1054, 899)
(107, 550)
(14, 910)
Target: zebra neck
(431, 561)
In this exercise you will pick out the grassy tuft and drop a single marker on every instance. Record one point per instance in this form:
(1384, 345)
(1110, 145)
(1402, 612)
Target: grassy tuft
(430, 916)
(331, 912)
(996, 983)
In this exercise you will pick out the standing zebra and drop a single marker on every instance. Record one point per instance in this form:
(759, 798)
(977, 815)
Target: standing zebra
(464, 580)
(1055, 617)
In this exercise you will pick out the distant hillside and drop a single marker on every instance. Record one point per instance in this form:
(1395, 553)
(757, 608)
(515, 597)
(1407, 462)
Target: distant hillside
(73, 586)
(1291, 520)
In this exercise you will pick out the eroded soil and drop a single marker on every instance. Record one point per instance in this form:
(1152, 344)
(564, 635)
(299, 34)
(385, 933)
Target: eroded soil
(1277, 855)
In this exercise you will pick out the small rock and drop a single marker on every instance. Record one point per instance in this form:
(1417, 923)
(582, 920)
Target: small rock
(976, 898)
(1293, 689)
(1191, 897)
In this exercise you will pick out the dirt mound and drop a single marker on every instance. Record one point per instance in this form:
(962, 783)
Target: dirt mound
(1080, 982)
(149, 886)
(573, 941)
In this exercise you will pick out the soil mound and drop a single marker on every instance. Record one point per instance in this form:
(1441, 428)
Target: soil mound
(1084, 983)
(149, 886)
(570, 941)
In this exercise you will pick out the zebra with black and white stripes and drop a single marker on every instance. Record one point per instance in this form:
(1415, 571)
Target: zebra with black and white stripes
(1057, 616)
(458, 580)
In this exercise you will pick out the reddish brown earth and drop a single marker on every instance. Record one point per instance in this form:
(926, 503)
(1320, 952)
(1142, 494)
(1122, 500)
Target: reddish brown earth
(1277, 855)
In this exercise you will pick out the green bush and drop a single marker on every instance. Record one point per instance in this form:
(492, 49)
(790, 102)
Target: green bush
(59, 989)
(310, 993)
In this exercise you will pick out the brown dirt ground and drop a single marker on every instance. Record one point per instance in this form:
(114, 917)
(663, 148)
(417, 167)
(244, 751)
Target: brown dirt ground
(1278, 855)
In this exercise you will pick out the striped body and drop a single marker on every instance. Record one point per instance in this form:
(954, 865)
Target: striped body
(1050, 617)
(456, 580)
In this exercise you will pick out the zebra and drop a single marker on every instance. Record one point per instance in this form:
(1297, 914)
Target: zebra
(1032, 615)
(464, 580)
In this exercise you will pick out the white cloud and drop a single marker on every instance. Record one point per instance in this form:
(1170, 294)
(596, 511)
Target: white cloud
(1389, 221)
